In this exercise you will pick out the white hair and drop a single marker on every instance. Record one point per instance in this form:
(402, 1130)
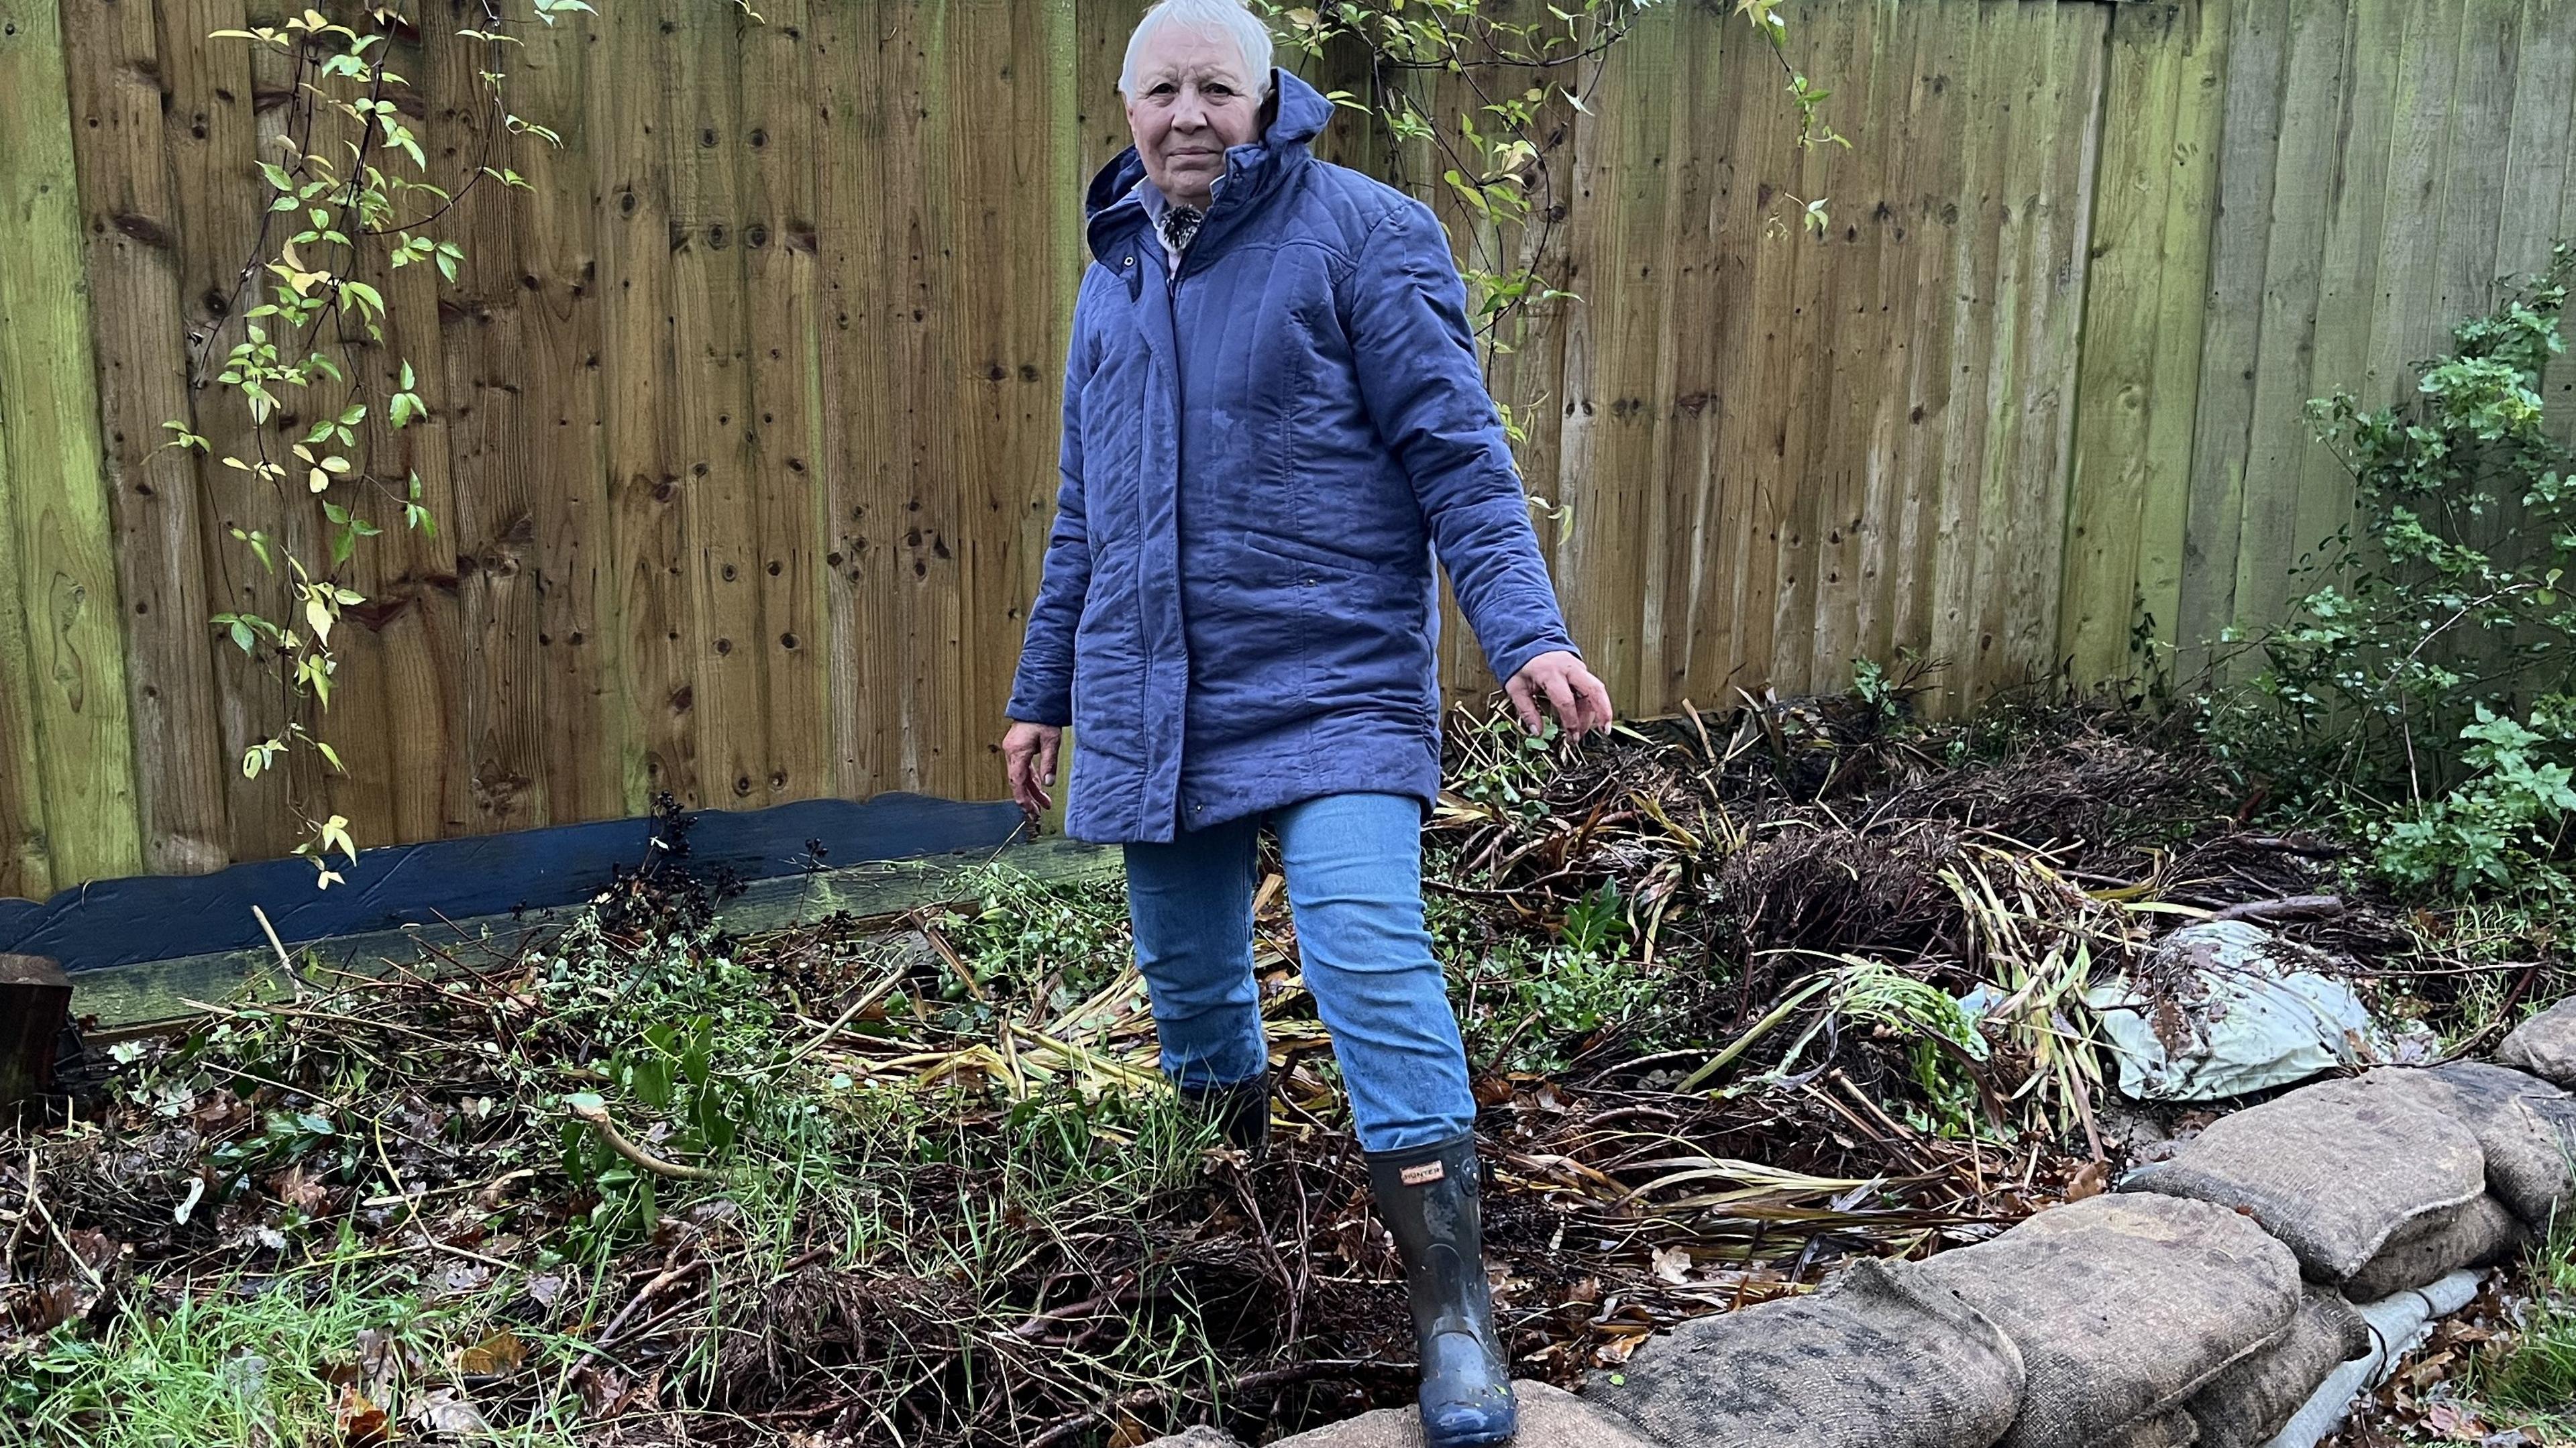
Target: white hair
(1226, 18)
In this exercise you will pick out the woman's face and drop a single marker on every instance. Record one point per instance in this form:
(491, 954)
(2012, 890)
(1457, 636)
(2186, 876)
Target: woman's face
(1191, 101)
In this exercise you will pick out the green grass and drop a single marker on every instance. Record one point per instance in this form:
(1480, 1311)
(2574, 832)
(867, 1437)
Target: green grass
(224, 1367)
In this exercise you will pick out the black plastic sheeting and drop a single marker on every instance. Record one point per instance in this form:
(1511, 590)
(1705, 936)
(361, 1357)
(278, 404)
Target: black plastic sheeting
(163, 917)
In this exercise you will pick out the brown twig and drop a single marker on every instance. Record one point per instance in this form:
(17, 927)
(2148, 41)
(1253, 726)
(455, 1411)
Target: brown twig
(597, 1117)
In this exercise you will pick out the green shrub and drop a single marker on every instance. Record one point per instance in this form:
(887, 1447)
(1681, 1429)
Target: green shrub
(2424, 685)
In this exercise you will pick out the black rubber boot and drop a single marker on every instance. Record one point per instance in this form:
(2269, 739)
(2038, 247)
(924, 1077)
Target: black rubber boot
(1429, 1198)
(1241, 1113)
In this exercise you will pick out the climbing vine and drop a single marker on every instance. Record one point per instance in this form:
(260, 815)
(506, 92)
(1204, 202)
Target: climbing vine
(349, 193)
(1492, 139)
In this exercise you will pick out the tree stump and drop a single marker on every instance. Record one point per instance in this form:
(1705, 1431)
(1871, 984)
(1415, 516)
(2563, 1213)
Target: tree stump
(35, 1005)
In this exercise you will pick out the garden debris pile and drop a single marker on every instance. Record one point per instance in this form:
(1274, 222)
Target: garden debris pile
(912, 1182)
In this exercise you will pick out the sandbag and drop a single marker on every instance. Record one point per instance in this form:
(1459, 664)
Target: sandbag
(1881, 1357)
(2122, 1306)
(2165, 1430)
(2526, 1127)
(2480, 1236)
(2248, 1403)
(2336, 1171)
(2545, 1045)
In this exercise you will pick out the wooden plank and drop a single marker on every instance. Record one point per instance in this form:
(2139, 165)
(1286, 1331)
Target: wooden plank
(494, 417)
(2124, 291)
(53, 498)
(2020, 610)
(2223, 421)
(706, 421)
(2537, 138)
(785, 402)
(654, 617)
(588, 727)
(2405, 324)
(1901, 125)
(1948, 563)
(913, 527)
(1101, 28)
(1682, 379)
(1754, 501)
(2166, 482)
(1804, 367)
(2558, 380)
(2474, 198)
(225, 114)
(131, 222)
(2279, 441)
(1013, 254)
(2347, 270)
(1935, 177)
(1691, 609)
(1620, 186)
(401, 716)
(1851, 306)
(870, 60)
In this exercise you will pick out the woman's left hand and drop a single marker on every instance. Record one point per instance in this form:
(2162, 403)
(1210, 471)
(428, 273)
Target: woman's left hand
(1580, 701)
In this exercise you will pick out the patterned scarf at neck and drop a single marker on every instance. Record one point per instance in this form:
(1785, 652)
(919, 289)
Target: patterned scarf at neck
(1180, 224)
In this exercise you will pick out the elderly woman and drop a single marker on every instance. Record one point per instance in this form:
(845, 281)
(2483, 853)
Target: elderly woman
(1273, 418)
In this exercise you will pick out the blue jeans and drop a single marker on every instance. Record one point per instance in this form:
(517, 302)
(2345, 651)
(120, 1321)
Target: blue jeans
(1354, 864)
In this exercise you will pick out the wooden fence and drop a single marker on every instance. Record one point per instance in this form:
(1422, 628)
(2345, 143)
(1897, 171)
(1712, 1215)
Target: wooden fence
(743, 426)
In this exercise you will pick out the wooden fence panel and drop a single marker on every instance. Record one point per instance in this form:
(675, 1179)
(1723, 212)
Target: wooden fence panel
(743, 420)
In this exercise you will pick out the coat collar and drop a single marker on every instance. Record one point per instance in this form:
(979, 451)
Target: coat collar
(1252, 172)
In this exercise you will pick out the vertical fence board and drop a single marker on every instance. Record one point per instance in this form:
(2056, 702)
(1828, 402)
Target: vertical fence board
(2115, 384)
(587, 730)
(70, 672)
(2347, 270)
(2278, 440)
(1947, 568)
(704, 148)
(1931, 182)
(2173, 423)
(2057, 208)
(497, 430)
(1621, 185)
(2538, 137)
(785, 402)
(131, 222)
(2230, 341)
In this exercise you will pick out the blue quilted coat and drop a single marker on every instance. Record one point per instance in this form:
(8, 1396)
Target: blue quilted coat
(1261, 455)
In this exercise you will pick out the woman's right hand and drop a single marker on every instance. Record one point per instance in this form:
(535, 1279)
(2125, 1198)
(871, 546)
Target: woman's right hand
(1028, 753)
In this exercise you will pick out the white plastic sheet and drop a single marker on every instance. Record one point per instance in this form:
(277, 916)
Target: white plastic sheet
(2245, 1012)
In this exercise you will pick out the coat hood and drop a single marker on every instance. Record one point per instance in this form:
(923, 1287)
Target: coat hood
(1297, 112)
